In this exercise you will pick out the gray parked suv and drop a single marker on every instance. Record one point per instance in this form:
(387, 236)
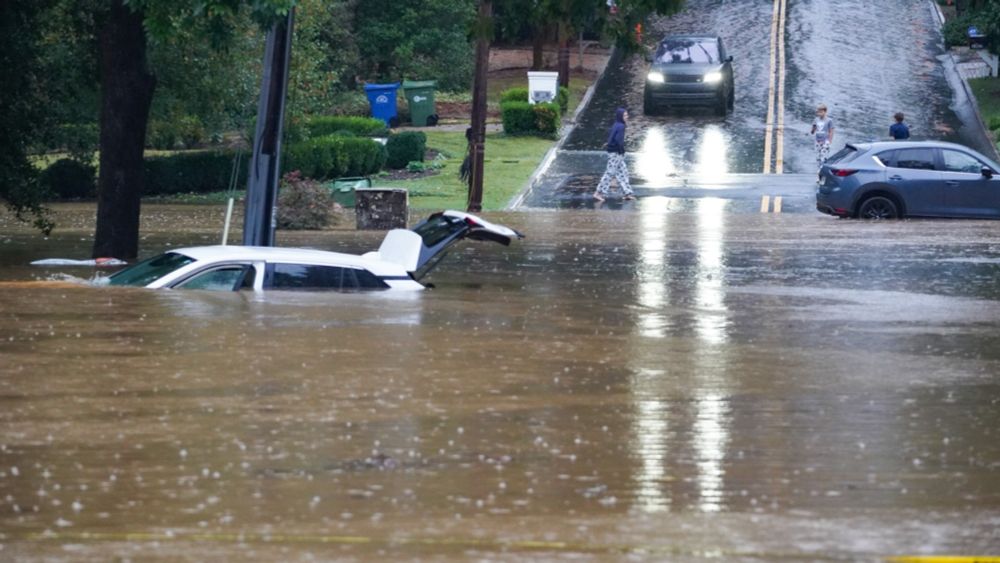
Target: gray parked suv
(889, 180)
(689, 70)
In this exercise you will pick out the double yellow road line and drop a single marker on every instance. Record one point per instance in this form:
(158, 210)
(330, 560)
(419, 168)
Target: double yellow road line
(774, 145)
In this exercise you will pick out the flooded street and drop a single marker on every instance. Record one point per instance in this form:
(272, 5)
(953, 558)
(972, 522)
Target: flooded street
(865, 60)
(678, 383)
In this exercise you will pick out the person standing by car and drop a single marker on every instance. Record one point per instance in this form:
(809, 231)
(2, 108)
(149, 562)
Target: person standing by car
(899, 131)
(822, 133)
(617, 168)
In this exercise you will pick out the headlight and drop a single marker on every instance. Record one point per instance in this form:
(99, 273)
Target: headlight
(656, 77)
(713, 77)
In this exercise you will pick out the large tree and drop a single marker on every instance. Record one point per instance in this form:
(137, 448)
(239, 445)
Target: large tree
(127, 85)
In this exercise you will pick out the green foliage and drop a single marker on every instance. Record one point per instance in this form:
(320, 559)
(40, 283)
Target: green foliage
(522, 118)
(161, 135)
(68, 179)
(405, 147)
(192, 172)
(547, 118)
(333, 157)
(324, 125)
(994, 123)
(520, 94)
(418, 166)
(516, 94)
(518, 118)
(955, 29)
(418, 39)
(303, 204)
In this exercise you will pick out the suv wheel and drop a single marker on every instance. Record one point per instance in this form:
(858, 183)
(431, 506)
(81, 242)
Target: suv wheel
(731, 102)
(878, 207)
(722, 105)
(648, 106)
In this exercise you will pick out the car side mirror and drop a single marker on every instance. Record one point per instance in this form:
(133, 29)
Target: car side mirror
(729, 59)
(987, 172)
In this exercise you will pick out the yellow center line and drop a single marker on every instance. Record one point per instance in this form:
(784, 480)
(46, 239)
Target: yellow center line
(769, 126)
(779, 151)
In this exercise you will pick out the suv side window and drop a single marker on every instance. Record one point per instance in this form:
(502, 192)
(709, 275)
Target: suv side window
(887, 158)
(955, 161)
(915, 159)
(305, 277)
(226, 278)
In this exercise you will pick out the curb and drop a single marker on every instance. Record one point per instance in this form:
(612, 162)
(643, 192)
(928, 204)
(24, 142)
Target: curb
(995, 152)
(565, 132)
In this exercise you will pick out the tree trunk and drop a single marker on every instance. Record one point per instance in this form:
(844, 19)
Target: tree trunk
(564, 54)
(477, 144)
(538, 48)
(126, 95)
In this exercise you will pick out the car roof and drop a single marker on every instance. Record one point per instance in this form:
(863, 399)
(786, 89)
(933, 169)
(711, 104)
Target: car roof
(692, 37)
(270, 254)
(891, 145)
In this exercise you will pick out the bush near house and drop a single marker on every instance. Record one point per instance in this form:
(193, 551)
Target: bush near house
(404, 148)
(192, 172)
(522, 118)
(520, 94)
(304, 204)
(324, 125)
(332, 156)
(68, 179)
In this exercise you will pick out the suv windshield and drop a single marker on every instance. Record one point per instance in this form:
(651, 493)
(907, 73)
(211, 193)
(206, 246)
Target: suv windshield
(689, 51)
(150, 270)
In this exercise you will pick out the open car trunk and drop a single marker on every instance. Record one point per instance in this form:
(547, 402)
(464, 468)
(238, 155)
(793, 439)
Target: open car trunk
(420, 249)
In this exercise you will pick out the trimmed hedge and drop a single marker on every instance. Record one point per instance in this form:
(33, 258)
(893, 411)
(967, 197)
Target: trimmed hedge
(210, 171)
(68, 179)
(303, 204)
(522, 118)
(404, 148)
(520, 94)
(326, 125)
(332, 156)
(193, 172)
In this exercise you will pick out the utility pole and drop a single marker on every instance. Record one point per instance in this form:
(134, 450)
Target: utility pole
(477, 141)
(265, 164)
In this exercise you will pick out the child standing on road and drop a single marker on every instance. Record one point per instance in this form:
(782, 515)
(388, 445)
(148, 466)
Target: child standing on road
(822, 132)
(617, 168)
(899, 130)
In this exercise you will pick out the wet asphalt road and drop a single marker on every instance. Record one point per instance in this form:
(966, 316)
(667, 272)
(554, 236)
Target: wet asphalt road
(864, 59)
(678, 383)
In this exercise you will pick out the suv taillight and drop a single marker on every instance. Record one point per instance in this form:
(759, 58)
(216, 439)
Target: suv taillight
(842, 172)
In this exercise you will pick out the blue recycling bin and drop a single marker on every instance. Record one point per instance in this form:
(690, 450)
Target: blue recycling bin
(382, 99)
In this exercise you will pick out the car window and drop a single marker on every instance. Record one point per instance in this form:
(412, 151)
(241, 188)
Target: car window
(303, 277)
(918, 159)
(843, 156)
(886, 157)
(689, 51)
(227, 278)
(955, 161)
(150, 270)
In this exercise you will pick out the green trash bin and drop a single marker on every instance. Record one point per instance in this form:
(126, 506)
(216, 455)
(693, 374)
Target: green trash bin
(420, 97)
(343, 189)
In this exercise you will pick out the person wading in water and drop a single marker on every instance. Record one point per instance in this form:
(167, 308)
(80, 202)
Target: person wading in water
(617, 168)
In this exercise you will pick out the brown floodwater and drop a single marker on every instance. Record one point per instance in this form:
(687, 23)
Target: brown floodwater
(676, 382)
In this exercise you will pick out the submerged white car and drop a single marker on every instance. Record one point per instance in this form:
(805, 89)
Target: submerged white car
(399, 263)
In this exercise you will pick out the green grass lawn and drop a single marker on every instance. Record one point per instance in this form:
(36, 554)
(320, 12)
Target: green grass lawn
(987, 92)
(509, 163)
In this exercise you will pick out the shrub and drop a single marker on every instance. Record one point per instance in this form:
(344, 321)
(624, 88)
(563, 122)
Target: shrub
(68, 179)
(522, 118)
(546, 118)
(518, 118)
(161, 135)
(190, 131)
(78, 139)
(516, 94)
(325, 125)
(994, 123)
(403, 148)
(192, 172)
(520, 94)
(303, 204)
(955, 29)
(332, 157)
(562, 98)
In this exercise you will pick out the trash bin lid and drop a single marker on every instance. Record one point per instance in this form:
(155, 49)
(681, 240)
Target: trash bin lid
(371, 87)
(414, 84)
